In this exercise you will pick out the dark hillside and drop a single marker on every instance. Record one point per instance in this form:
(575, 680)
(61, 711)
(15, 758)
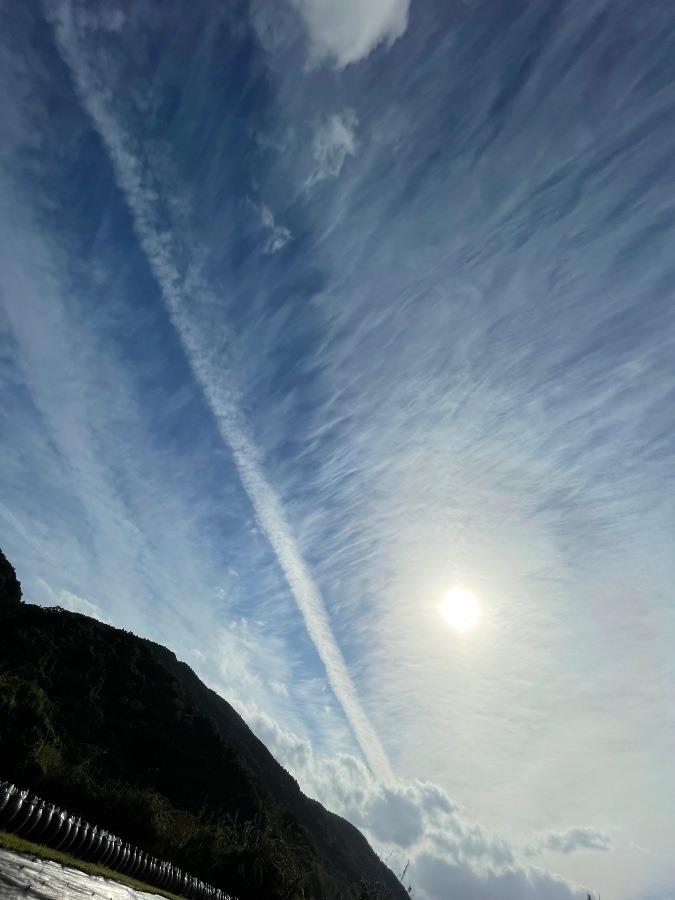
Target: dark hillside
(10, 589)
(115, 729)
(338, 839)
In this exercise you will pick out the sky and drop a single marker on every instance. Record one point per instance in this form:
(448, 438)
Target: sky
(311, 313)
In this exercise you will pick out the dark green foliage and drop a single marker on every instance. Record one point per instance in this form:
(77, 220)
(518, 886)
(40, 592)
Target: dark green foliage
(115, 729)
(27, 739)
(10, 588)
(373, 890)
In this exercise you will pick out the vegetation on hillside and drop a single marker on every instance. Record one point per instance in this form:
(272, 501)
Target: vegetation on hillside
(115, 729)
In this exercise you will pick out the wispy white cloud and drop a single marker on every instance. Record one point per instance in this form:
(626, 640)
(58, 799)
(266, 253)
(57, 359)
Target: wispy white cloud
(275, 236)
(68, 600)
(82, 503)
(346, 32)
(496, 371)
(333, 142)
(141, 192)
(258, 221)
(278, 236)
(278, 687)
(96, 516)
(573, 840)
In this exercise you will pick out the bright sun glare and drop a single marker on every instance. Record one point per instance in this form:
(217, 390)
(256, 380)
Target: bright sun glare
(460, 609)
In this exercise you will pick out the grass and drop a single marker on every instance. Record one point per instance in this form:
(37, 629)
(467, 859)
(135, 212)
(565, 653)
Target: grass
(19, 845)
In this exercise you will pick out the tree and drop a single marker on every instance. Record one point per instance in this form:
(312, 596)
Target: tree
(372, 890)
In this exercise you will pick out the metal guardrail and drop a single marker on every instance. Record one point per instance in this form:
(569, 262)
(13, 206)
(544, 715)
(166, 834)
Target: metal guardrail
(29, 816)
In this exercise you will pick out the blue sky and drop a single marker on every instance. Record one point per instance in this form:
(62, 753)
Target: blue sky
(308, 316)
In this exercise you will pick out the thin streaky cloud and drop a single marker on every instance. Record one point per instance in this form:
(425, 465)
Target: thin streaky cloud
(140, 192)
(573, 840)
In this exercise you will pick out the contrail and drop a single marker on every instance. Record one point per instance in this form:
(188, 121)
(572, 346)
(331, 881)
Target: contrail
(141, 193)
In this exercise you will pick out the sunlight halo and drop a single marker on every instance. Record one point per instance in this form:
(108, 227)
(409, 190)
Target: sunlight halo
(460, 609)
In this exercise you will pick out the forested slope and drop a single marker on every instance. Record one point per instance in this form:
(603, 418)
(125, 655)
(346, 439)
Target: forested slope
(115, 729)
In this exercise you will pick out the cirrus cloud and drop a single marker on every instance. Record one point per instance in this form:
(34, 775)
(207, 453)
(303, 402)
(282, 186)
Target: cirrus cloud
(333, 142)
(572, 840)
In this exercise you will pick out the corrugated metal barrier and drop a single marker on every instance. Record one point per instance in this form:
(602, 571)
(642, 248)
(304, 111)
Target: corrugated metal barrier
(32, 818)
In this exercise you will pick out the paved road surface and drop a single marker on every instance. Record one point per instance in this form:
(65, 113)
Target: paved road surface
(32, 878)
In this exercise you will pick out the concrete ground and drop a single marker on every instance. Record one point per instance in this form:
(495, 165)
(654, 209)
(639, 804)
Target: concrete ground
(31, 878)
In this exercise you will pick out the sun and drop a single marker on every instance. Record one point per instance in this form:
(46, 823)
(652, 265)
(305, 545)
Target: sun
(460, 609)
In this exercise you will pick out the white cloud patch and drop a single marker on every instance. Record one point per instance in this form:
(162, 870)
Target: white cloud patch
(334, 141)
(417, 821)
(277, 235)
(278, 687)
(439, 879)
(344, 33)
